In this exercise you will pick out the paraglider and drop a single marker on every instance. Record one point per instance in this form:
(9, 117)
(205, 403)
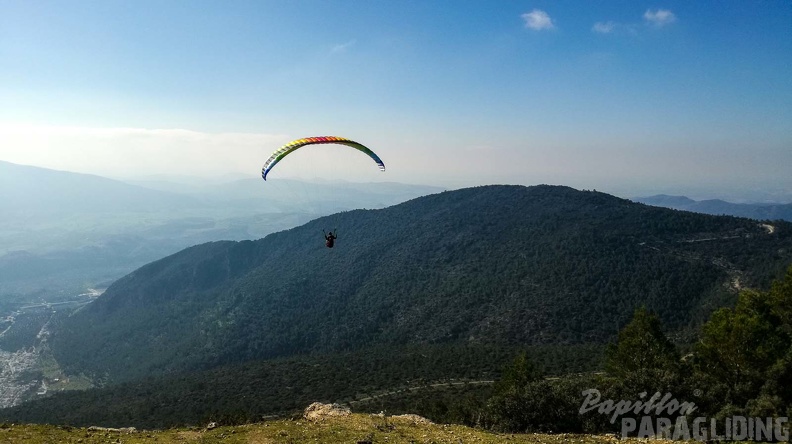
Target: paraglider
(290, 147)
(330, 238)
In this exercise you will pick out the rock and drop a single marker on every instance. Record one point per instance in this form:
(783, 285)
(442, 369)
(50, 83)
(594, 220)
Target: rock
(415, 419)
(111, 429)
(318, 411)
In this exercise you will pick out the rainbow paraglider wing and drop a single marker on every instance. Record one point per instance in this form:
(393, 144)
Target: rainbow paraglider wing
(285, 150)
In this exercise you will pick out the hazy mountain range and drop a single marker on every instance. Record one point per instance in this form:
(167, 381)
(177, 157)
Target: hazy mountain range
(61, 232)
(759, 211)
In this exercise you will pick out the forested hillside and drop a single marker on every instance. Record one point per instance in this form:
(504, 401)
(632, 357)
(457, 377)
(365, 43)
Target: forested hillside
(418, 378)
(501, 265)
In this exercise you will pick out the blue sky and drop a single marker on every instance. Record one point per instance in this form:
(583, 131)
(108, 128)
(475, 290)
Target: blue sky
(624, 96)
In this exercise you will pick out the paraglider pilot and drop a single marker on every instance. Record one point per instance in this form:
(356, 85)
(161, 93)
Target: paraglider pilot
(330, 238)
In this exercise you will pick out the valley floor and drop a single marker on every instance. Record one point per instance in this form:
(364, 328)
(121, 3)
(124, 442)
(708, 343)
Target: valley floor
(354, 428)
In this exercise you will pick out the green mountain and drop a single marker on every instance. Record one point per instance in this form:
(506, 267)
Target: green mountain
(495, 265)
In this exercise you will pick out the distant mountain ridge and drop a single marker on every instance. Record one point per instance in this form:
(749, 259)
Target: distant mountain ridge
(61, 232)
(759, 211)
(493, 265)
(27, 188)
(41, 190)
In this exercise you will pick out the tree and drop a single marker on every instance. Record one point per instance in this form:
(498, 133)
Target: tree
(518, 375)
(744, 348)
(510, 405)
(642, 349)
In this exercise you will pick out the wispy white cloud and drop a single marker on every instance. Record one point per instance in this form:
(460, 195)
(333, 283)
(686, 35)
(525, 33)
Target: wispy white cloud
(342, 47)
(654, 18)
(659, 17)
(603, 27)
(537, 20)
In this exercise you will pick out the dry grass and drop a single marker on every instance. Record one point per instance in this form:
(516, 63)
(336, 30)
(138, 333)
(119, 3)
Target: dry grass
(344, 429)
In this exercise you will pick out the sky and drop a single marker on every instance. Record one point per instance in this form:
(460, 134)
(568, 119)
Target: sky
(630, 97)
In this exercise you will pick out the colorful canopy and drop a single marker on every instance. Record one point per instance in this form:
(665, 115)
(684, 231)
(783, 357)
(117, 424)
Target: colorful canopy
(285, 150)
